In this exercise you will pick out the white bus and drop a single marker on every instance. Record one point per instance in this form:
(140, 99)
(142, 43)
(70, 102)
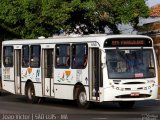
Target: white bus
(94, 68)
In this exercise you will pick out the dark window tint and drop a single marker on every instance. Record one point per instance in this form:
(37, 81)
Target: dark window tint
(79, 56)
(8, 56)
(63, 56)
(130, 63)
(25, 56)
(35, 56)
(48, 63)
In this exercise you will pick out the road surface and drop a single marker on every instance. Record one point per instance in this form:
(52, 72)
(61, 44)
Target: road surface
(14, 107)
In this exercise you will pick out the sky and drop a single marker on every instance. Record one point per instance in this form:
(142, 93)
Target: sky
(151, 3)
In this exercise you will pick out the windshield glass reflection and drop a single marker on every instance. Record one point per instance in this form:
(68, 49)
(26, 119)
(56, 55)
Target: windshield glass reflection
(138, 63)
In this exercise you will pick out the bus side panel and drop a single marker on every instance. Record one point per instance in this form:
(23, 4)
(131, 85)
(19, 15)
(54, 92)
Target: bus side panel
(34, 75)
(8, 79)
(23, 88)
(66, 79)
(64, 91)
(9, 86)
(38, 89)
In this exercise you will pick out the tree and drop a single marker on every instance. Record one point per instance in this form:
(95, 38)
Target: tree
(33, 18)
(81, 17)
(113, 12)
(95, 15)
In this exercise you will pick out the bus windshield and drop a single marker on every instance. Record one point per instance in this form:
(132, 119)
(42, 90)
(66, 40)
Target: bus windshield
(130, 63)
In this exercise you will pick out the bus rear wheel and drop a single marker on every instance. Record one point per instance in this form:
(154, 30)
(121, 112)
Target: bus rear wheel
(126, 104)
(30, 92)
(82, 99)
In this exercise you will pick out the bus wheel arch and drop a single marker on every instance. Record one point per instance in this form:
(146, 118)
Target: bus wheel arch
(81, 97)
(75, 90)
(28, 81)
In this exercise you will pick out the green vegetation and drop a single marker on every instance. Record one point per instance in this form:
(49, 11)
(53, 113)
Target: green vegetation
(33, 18)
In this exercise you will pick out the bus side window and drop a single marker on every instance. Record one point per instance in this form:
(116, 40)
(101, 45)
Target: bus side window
(79, 56)
(25, 56)
(63, 56)
(8, 56)
(35, 56)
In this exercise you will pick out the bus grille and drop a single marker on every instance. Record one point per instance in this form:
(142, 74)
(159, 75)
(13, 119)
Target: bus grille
(129, 96)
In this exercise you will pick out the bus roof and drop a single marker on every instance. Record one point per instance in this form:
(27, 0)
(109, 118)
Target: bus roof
(100, 38)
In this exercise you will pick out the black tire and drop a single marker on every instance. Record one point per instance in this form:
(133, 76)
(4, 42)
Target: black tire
(126, 104)
(41, 100)
(30, 93)
(82, 99)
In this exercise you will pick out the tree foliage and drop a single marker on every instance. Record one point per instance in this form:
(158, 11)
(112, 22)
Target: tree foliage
(114, 12)
(33, 18)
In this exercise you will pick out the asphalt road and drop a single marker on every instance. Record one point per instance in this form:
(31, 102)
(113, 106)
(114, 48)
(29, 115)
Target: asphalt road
(14, 107)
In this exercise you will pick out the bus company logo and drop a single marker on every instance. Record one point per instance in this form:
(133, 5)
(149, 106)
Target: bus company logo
(29, 70)
(150, 117)
(65, 76)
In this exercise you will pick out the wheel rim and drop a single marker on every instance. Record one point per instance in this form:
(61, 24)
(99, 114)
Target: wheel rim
(30, 93)
(82, 98)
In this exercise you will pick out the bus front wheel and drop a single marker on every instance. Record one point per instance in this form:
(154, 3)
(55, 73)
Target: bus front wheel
(82, 99)
(126, 104)
(30, 92)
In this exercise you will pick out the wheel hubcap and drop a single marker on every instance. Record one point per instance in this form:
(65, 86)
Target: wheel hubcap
(30, 93)
(82, 98)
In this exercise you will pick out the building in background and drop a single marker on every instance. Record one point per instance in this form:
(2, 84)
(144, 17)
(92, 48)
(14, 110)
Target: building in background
(151, 25)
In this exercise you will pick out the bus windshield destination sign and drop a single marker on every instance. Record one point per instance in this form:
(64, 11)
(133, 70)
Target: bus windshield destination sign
(128, 42)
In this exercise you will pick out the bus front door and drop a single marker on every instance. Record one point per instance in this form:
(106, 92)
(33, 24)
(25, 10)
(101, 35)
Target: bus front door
(95, 73)
(17, 69)
(157, 49)
(47, 72)
(158, 56)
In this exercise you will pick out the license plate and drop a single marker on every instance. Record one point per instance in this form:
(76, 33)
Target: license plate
(135, 94)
